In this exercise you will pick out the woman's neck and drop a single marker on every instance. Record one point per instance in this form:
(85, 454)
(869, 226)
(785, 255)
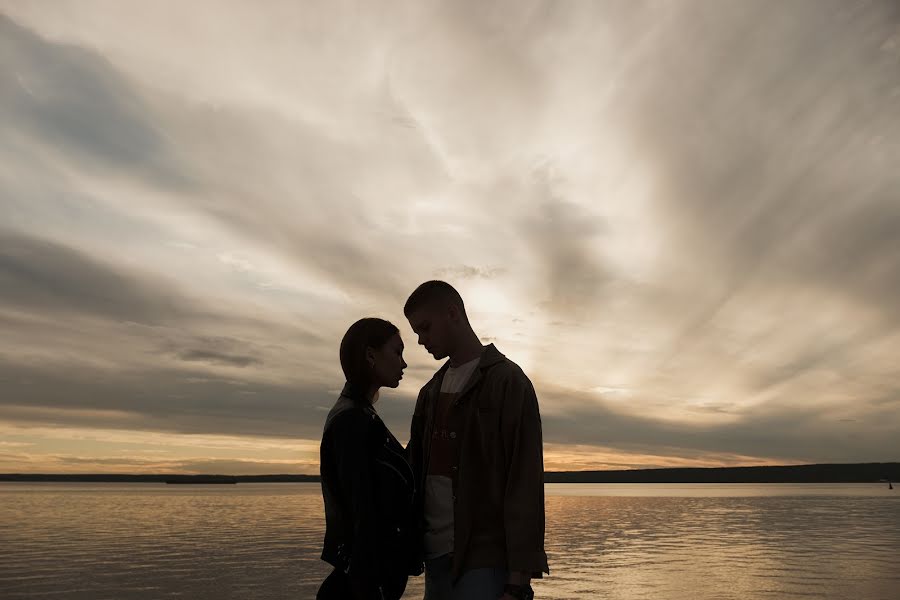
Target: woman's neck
(372, 395)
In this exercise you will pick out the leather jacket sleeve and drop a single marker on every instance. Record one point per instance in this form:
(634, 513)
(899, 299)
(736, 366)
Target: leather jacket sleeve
(353, 444)
(415, 455)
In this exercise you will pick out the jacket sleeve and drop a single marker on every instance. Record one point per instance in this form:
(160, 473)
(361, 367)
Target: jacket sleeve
(416, 430)
(415, 455)
(354, 471)
(523, 508)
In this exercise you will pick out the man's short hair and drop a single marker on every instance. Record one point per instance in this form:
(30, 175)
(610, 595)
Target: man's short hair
(431, 293)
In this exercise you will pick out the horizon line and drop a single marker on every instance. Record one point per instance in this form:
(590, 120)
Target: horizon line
(587, 471)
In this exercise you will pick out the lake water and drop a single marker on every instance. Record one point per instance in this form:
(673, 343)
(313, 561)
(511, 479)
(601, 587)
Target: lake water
(262, 541)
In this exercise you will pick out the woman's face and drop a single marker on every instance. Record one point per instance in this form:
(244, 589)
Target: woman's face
(388, 363)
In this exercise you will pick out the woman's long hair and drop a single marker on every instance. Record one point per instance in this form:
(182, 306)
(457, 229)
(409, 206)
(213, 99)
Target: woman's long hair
(365, 333)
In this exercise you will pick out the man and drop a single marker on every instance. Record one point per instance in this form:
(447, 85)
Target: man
(476, 450)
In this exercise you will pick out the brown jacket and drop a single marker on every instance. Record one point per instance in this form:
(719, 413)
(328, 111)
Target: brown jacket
(498, 466)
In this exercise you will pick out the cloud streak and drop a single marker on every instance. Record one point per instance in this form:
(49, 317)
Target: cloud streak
(681, 221)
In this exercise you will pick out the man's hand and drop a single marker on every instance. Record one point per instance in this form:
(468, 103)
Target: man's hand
(519, 580)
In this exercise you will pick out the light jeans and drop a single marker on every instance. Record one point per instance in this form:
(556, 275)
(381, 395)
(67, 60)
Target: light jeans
(477, 584)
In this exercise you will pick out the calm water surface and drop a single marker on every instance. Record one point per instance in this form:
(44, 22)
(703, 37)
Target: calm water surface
(262, 541)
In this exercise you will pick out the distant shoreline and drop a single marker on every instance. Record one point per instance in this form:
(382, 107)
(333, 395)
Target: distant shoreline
(815, 473)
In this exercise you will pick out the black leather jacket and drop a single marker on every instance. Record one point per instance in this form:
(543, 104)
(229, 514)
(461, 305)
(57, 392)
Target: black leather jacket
(369, 491)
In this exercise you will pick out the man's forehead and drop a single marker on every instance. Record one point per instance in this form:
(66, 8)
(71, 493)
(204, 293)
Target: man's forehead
(417, 321)
(420, 316)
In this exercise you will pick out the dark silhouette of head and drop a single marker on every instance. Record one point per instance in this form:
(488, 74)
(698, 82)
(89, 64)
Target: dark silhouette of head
(372, 355)
(437, 315)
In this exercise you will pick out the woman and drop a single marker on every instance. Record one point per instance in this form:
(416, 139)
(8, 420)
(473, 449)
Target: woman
(367, 483)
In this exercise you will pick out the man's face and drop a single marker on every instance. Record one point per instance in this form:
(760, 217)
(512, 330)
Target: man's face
(432, 326)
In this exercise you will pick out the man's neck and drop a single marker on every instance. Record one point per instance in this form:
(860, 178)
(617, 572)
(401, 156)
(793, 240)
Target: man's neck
(470, 350)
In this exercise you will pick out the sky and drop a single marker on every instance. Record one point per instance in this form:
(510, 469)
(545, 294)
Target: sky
(681, 219)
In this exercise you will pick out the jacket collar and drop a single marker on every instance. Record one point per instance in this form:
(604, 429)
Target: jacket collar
(490, 356)
(353, 392)
(351, 397)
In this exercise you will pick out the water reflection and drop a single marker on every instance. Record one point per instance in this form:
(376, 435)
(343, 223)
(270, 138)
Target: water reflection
(722, 547)
(136, 541)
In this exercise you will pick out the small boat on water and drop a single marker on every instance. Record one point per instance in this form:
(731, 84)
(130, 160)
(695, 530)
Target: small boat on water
(200, 479)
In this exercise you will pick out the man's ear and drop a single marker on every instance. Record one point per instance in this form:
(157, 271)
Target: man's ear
(370, 356)
(453, 312)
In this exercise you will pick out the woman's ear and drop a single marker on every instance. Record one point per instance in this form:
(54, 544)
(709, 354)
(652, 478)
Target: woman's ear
(370, 356)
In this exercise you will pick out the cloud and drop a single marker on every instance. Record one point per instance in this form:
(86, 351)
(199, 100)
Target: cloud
(470, 272)
(692, 210)
(217, 357)
(43, 275)
(578, 457)
(67, 463)
(71, 98)
(221, 350)
(767, 174)
(784, 433)
(565, 235)
(163, 400)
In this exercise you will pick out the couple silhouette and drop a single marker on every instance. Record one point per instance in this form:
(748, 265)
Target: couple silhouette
(463, 502)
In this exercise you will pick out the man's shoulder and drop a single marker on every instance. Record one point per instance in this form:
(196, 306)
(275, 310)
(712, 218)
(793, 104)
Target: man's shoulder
(505, 369)
(434, 381)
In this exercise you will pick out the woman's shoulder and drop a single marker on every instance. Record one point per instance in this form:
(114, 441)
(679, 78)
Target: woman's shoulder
(349, 417)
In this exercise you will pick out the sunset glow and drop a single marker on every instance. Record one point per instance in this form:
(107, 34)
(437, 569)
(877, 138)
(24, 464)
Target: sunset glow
(691, 249)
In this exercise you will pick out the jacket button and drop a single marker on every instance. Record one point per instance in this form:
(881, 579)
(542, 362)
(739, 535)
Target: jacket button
(454, 468)
(452, 435)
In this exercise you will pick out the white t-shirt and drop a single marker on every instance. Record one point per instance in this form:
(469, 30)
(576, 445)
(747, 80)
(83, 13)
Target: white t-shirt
(438, 483)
